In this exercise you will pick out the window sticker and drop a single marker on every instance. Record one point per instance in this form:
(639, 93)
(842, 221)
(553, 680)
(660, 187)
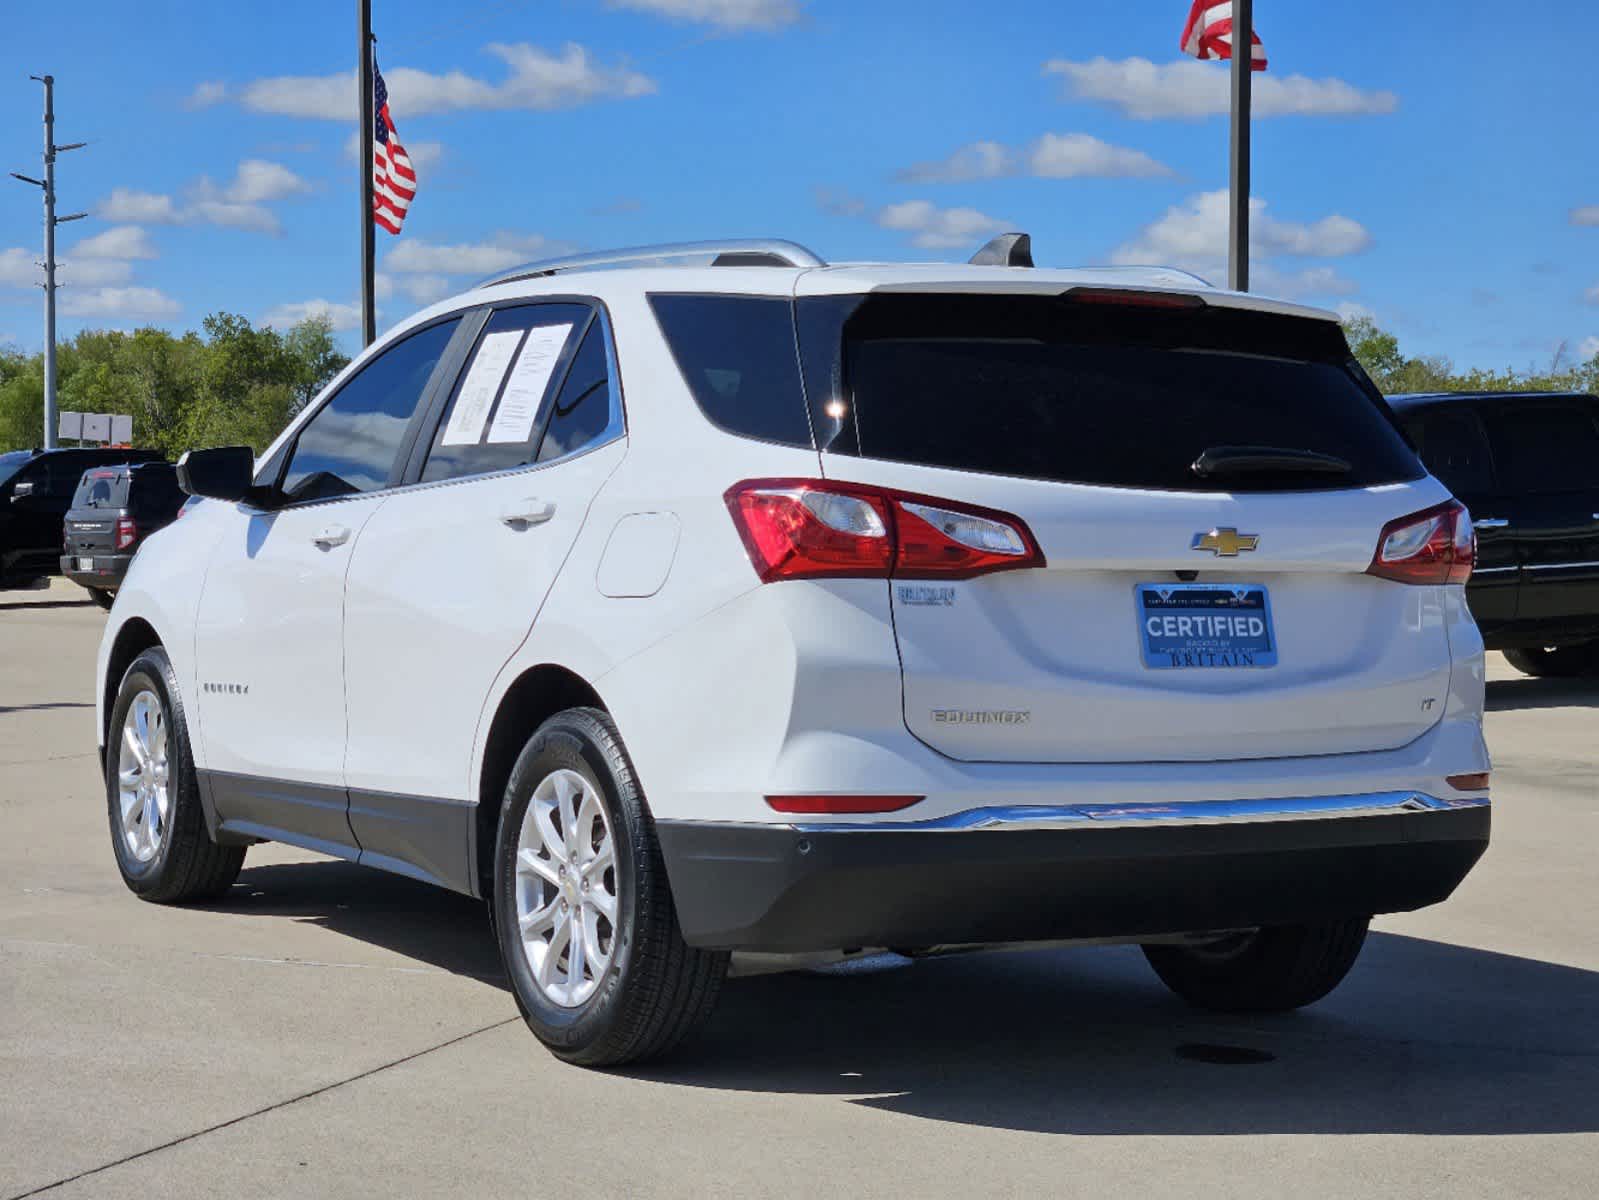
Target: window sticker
(477, 394)
(530, 378)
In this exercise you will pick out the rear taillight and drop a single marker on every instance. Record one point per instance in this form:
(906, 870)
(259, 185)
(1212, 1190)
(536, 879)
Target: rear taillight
(127, 532)
(818, 529)
(1436, 545)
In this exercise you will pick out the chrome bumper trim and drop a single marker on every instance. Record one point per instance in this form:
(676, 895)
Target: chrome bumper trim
(1191, 812)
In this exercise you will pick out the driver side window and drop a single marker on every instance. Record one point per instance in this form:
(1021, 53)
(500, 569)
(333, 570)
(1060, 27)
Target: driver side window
(350, 445)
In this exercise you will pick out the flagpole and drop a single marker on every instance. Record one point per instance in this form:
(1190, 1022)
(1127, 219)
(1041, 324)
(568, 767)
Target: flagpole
(1243, 59)
(369, 322)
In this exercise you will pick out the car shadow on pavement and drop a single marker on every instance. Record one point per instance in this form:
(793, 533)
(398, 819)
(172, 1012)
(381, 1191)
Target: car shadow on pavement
(48, 704)
(1424, 1037)
(86, 602)
(1507, 695)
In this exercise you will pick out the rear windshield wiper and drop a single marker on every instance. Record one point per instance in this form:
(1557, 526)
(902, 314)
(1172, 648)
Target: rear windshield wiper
(1267, 460)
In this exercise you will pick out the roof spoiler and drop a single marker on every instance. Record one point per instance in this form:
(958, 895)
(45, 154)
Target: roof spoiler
(1007, 250)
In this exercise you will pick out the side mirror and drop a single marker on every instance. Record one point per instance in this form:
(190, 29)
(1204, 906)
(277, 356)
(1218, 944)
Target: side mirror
(225, 473)
(21, 491)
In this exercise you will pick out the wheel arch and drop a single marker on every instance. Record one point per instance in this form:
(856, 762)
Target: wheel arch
(134, 637)
(537, 694)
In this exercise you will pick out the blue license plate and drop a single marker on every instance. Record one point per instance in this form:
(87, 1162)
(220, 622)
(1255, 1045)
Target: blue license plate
(1183, 625)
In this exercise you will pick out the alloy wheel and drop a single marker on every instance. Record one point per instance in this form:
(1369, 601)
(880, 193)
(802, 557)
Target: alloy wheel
(566, 889)
(144, 777)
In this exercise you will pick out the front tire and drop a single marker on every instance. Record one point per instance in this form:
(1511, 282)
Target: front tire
(158, 831)
(584, 915)
(1274, 969)
(1555, 662)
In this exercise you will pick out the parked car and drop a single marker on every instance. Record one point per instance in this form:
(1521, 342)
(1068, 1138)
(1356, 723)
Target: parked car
(113, 511)
(36, 489)
(1527, 466)
(757, 605)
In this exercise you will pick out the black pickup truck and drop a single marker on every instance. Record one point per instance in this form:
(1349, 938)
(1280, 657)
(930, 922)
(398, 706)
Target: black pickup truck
(36, 489)
(1527, 466)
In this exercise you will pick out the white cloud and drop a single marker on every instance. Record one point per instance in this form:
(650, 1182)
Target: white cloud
(129, 204)
(20, 268)
(425, 289)
(724, 14)
(237, 204)
(1353, 310)
(538, 79)
(343, 316)
(257, 181)
(934, 228)
(119, 302)
(1052, 156)
(1139, 88)
(122, 241)
(423, 154)
(1193, 236)
(1588, 214)
(1592, 294)
(1587, 348)
(206, 94)
(503, 250)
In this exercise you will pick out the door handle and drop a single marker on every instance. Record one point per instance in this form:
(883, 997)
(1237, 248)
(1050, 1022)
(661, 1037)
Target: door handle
(1491, 523)
(519, 514)
(332, 535)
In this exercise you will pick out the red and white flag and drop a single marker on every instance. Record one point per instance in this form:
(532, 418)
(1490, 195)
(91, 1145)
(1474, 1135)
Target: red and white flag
(1209, 33)
(393, 180)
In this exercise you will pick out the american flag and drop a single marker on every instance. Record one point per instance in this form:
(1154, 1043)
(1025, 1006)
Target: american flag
(393, 180)
(1209, 33)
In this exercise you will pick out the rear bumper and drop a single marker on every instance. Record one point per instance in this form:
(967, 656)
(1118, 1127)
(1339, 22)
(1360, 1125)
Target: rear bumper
(108, 572)
(1034, 874)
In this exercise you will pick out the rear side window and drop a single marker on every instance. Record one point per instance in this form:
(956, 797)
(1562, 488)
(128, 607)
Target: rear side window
(737, 355)
(582, 411)
(1454, 448)
(101, 489)
(502, 400)
(1045, 387)
(1546, 447)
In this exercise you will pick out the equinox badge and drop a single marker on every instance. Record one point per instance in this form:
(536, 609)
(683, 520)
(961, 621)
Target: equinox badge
(1225, 542)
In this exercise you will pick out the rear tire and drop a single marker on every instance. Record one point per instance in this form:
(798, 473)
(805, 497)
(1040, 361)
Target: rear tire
(1274, 969)
(102, 597)
(158, 832)
(576, 847)
(1555, 662)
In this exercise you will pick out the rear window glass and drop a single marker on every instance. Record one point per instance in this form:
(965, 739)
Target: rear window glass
(1045, 387)
(1546, 447)
(737, 356)
(102, 489)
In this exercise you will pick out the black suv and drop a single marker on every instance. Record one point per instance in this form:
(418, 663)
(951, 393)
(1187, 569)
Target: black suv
(1527, 466)
(114, 510)
(36, 489)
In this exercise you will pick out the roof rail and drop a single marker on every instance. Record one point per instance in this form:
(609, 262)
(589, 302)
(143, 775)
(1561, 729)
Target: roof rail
(736, 252)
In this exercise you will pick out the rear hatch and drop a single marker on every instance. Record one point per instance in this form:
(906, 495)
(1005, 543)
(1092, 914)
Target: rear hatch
(1181, 614)
(91, 523)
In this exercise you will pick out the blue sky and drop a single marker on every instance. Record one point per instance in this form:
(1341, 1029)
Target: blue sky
(1405, 163)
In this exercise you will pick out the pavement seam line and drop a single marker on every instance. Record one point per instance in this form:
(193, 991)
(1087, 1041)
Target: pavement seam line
(239, 1120)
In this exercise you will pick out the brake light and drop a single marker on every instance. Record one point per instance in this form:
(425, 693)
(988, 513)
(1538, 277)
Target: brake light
(127, 532)
(1128, 298)
(1436, 545)
(817, 529)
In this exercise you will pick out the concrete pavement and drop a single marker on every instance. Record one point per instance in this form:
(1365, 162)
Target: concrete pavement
(331, 1031)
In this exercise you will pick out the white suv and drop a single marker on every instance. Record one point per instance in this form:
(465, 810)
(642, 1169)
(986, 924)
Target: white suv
(723, 600)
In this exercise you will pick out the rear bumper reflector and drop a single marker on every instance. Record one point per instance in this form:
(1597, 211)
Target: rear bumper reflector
(841, 804)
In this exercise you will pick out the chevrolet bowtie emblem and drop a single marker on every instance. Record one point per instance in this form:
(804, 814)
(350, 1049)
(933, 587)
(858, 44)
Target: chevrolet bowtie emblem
(1226, 542)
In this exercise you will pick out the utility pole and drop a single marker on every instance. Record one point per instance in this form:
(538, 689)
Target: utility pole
(48, 186)
(369, 318)
(1243, 59)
